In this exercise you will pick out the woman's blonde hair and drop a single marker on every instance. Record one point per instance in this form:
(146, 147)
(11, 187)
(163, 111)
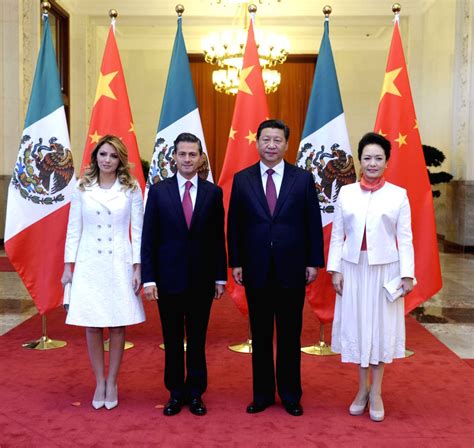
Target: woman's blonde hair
(91, 173)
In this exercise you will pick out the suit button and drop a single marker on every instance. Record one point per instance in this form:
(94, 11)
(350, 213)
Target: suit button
(99, 239)
(98, 212)
(110, 239)
(109, 226)
(99, 251)
(99, 226)
(110, 212)
(110, 251)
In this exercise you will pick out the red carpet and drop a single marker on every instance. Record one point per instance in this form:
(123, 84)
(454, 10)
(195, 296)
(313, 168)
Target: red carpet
(45, 396)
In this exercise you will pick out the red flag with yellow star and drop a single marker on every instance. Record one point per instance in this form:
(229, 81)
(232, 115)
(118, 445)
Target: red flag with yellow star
(396, 120)
(111, 112)
(250, 110)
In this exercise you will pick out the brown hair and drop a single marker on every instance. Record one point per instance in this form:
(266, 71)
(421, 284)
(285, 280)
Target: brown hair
(91, 174)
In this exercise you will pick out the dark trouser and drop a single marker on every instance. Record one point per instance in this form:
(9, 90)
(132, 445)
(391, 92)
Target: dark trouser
(285, 306)
(178, 312)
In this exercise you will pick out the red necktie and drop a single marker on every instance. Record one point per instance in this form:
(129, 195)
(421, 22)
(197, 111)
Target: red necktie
(187, 203)
(270, 191)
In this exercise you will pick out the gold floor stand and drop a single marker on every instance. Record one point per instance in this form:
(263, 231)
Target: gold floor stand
(319, 349)
(408, 353)
(128, 345)
(44, 343)
(244, 347)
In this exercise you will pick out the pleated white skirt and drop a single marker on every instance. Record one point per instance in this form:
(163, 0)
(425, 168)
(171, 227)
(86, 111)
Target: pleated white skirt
(367, 328)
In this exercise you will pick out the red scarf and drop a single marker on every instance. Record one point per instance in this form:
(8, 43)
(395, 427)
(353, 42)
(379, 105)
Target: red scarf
(372, 185)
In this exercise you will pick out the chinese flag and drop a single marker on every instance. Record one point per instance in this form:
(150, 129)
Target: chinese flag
(111, 112)
(396, 120)
(250, 110)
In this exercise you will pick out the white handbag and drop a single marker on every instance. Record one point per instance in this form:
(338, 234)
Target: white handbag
(392, 290)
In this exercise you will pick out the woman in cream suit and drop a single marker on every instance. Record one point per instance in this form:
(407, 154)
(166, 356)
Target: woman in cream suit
(106, 277)
(371, 244)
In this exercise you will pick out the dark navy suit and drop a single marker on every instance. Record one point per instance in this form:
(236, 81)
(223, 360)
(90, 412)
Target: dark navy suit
(274, 252)
(185, 264)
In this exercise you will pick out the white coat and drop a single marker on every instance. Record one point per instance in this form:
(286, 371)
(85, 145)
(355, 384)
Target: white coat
(98, 242)
(385, 214)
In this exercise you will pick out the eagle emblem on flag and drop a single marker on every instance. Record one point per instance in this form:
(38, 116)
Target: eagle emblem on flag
(42, 170)
(331, 170)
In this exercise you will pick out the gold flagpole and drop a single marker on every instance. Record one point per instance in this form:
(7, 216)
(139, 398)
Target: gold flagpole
(243, 347)
(320, 348)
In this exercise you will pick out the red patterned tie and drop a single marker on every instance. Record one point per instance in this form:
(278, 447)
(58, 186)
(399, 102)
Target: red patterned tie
(187, 203)
(270, 191)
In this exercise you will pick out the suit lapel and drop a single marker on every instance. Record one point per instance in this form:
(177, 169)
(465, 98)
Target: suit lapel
(255, 182)
(200, 200)
(287, 182)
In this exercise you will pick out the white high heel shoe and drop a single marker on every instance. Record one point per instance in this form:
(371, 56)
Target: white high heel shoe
(358, 409)
(112, 404)
(97, 404)
(377, 416)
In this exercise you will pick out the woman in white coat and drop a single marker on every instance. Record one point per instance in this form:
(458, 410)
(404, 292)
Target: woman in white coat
(371, 244)
(106, 276)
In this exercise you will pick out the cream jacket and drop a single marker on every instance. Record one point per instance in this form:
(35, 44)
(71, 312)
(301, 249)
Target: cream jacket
(385, 214)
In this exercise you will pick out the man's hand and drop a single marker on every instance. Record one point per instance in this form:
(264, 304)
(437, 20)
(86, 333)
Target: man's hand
(151, 292)
(337, 282)
(311, 274)
(238, 277)
(219, 291)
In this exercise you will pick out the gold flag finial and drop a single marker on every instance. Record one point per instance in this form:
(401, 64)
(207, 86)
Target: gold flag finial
(327, 10)
(113, 14)
(45, 7)
(252, 8)
(396, 8)
(179, 10)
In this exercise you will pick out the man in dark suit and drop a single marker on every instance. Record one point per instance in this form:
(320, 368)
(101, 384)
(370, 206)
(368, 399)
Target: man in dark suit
(275, 246)
(184, 268)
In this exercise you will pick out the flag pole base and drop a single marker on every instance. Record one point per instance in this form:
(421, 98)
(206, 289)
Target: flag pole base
(162, 346)
(44, 343)
(126, 346)
(409, 353)
(244, 347)
(319, 349)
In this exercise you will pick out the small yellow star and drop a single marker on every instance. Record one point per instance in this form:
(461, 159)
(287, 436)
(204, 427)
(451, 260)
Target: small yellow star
(416, 124)
(252, 137)
(244, 73)
(401, 140)
(132, 127)
(95, 137)
(232, 133)
(389, 83)
(381, 133)
(103, 87)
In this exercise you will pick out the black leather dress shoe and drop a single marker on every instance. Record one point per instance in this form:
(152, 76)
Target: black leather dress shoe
(255, 407)
(173, 407)
(197, 406)
(294, 409)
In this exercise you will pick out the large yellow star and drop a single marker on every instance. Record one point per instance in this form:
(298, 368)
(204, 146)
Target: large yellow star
(132, 127)
(103, 87)
(232, 133)
(95, 137)
(389, 83)
(252, 137)
(244, 73)
(401, 140)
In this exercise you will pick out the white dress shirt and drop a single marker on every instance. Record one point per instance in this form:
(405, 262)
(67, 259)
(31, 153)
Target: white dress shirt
(277, 175)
